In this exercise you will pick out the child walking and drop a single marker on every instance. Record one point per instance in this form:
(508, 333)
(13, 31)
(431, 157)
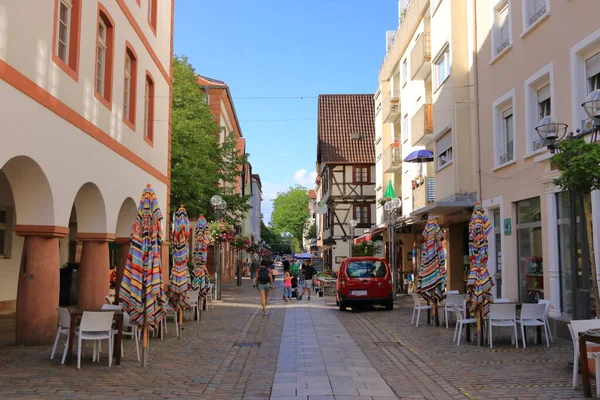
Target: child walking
(287, 286)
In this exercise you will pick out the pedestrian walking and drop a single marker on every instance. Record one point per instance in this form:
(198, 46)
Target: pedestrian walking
(308, 271)
(264, 282)
(287, 286)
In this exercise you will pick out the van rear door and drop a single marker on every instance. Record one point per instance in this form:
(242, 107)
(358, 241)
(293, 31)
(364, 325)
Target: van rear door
(367, 278)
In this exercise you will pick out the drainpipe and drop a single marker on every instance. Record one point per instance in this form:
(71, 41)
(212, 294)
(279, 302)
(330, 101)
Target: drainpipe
(475, 122)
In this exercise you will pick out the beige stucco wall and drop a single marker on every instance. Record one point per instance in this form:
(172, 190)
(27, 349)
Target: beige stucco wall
(557, 42)
(28, 48)
(51, 164)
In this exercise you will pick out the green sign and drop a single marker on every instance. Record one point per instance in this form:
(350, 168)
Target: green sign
(507, 227)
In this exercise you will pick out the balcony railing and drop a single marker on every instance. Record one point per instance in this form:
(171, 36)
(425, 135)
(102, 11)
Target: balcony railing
(391, 106)
(537, 15)
(392, 158)
(422, 125)
(424, 193)
(420, 57)
(503, 46)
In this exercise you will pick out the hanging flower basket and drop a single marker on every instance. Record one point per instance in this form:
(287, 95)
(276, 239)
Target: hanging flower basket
(220, 232)
(241, 242)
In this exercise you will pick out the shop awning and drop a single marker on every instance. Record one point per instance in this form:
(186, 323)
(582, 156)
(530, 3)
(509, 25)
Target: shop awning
(445, 207)
(369, 236)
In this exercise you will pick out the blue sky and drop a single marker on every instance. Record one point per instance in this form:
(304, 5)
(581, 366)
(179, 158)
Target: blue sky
(265, 49)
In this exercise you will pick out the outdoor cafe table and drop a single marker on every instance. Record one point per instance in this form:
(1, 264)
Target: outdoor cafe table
(583, 361)
(327, 285)
(77, 313)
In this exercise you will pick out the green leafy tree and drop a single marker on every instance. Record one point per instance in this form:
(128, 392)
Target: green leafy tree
(200, 167)
(579, 166)
(365, 249)
(195, 156)
(312, 231)
(290, 213)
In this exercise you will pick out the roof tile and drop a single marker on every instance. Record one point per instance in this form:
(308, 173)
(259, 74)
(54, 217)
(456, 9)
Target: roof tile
(341, 118)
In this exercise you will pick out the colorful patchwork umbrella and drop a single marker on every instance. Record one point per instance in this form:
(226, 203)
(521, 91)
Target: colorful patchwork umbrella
(479, 285)
(142, 290)
(201, 278)
(180, 278)
(432, 272)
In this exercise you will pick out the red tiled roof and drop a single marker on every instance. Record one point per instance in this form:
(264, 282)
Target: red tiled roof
(341, 118)
(312, 194)
(206, 81)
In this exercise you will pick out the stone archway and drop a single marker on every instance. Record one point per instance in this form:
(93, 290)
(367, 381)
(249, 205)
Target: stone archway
(127, 215)
(32, 262)
(90, 222)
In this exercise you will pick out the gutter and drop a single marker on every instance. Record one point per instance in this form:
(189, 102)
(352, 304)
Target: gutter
(475, 120)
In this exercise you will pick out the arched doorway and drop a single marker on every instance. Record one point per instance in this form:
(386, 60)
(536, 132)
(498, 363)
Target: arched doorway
(119, 250)
(29, 259)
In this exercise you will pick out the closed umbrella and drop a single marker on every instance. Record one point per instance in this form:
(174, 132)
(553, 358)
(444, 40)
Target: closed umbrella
(142, 290)
(479, 285)
(432, 272)
(180, 277)
(201, 278)
(389, 192)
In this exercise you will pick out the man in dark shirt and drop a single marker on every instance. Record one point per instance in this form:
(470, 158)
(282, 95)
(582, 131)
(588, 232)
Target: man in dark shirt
(309, 272)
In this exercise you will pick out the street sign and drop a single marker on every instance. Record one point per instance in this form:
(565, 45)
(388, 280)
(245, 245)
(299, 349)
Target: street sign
(507, 227)
(321, 208)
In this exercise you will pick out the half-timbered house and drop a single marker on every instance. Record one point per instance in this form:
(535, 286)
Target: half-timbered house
(346, 170)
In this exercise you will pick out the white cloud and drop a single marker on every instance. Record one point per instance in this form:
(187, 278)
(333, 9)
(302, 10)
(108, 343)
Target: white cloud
(305, 178)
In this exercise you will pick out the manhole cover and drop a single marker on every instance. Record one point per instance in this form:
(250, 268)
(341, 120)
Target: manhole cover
(243, 344)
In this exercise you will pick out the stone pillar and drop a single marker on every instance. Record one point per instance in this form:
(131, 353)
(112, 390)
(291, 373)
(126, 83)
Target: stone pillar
(38, 284)
(94, 269)
(123, 243)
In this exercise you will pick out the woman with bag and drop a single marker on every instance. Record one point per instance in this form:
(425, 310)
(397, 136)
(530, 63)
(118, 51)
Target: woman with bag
(264, 282)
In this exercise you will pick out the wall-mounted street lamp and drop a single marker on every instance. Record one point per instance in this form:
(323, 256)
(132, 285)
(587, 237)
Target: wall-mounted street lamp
(392, 208)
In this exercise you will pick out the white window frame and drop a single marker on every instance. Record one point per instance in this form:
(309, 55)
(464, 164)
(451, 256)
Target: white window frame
(127, 87)
(499, 107)
(404, 130)
(544, 76)
(531, 16)
(491, 205)
(146, 106)
(404, 71)
(67, 26)
(497, 41)
(442, 57)
(434, 6)
(101, 49)
(444, 151)
(580, 52)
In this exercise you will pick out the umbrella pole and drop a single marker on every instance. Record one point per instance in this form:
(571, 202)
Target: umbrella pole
(180, 317)
(145, 346)
(479, 317)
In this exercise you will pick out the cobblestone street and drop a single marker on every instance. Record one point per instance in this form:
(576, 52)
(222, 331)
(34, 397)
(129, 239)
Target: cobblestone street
(302, 350)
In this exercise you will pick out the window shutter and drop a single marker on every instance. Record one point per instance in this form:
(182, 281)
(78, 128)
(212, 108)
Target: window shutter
(507, 113)
(443, 143)
(543, 94)
(592, 66)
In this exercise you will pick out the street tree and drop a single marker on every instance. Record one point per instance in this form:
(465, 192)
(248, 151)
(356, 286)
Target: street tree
(579, 166)
(290, 213)
(200, 167)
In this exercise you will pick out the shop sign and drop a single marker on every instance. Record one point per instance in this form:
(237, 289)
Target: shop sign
(507, 227)
(321, 208)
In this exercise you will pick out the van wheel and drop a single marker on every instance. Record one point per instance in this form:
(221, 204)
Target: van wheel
(389, 305)
(342, 306)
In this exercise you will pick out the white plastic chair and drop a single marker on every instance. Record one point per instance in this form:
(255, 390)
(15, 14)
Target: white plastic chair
(95, 326)
(503, 315)
(210, 294)
(460, 321)
(533, 315)
(107, 300)
(502, 300)
(195, 302)
(452, 292)
(547, 303)
(171, 312)
(126, 326)
(417, 308)
(64, 323)
(578, 327)
(453, 299)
